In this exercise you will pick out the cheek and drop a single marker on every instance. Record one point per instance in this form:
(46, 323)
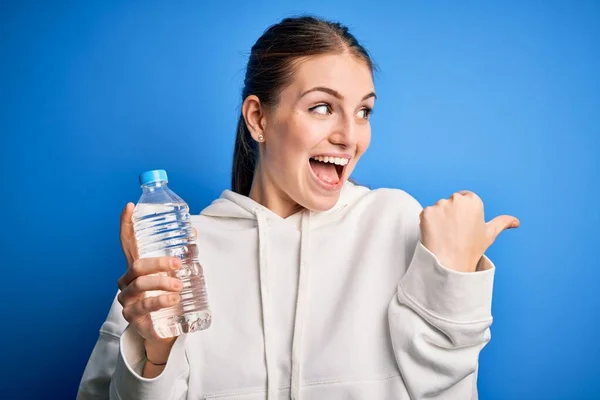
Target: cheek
(302, 132)
(295, 138)
(287, 146)
(364, 141)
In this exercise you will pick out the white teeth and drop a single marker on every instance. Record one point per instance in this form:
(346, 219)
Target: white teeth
(332, 160)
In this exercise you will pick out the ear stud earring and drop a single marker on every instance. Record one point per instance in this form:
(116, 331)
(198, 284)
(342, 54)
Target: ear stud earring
(261, 138)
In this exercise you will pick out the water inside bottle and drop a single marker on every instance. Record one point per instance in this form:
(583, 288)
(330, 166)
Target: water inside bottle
(164, 230)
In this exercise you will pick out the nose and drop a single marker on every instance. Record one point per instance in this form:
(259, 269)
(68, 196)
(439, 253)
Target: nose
(344, 133)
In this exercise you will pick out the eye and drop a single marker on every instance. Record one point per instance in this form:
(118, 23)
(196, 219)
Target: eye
(365, 113)
(321, 109)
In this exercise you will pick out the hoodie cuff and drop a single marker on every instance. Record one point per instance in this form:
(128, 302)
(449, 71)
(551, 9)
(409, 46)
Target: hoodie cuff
(127, 379)
(446, 293)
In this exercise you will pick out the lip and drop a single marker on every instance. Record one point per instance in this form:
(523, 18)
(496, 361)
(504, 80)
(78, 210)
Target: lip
(331, 187)
(339, 155)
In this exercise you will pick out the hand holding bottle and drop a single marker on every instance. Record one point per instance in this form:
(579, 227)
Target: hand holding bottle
(140, 278)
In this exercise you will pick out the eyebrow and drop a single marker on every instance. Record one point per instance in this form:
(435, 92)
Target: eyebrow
(334, 93)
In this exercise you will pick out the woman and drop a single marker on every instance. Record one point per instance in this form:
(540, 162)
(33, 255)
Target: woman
(319, 288)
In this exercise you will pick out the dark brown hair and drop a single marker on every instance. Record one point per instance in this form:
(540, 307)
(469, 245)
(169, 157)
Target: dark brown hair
(271, 64)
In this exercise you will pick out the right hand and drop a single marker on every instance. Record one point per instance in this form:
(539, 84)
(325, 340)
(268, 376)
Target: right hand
(139, 278)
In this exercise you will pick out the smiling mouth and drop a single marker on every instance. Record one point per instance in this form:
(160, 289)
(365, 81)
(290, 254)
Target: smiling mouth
(329, 170)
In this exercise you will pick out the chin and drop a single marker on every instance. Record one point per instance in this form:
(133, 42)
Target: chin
(319, 203)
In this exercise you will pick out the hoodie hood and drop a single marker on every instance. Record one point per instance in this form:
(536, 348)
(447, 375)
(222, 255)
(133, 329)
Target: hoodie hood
(236, 207)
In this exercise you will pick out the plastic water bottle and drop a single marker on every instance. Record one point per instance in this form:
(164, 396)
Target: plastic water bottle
(161, 222)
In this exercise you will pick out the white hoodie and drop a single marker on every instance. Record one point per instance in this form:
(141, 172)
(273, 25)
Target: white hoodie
(342, 304)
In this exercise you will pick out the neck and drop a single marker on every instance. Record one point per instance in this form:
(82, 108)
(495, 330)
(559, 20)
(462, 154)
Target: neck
(264, 192)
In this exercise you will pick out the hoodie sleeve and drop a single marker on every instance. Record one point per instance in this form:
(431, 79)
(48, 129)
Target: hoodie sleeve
(115, 366)
(439, 322)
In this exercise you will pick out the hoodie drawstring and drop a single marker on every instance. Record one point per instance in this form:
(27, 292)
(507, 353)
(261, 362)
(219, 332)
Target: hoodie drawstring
(272, 379)
(301, 304)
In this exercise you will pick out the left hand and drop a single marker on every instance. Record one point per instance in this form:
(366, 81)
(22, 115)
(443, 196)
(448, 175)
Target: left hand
(455, 230)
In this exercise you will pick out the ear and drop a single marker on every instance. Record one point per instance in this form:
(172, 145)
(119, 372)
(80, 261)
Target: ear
(255, 117)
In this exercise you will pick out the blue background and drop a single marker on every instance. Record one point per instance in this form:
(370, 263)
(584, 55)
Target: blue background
(501, 99)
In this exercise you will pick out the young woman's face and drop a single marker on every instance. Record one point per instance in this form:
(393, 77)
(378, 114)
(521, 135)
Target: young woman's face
(317, 132)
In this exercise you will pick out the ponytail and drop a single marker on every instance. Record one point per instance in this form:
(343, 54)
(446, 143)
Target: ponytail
(245, 155)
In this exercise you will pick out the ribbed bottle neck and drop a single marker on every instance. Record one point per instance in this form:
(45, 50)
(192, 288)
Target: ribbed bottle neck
(151, 187)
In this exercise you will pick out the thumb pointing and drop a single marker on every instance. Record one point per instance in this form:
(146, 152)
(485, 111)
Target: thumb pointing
(500, 223)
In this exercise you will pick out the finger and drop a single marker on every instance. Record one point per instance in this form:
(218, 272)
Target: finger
(128, 244)
(126, 218)
(146, 283)
(470, 195)
(140, 308)
(120, 298)
(500, 223)
(441, 202)
(195, 233)
(461, 193)
(148, 266)
(475, 199)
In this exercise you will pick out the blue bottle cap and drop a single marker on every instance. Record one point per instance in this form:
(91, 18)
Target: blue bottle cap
(156, 175)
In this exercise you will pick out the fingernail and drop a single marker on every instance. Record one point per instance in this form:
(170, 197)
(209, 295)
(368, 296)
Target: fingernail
(174, 297)
(175, 262)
